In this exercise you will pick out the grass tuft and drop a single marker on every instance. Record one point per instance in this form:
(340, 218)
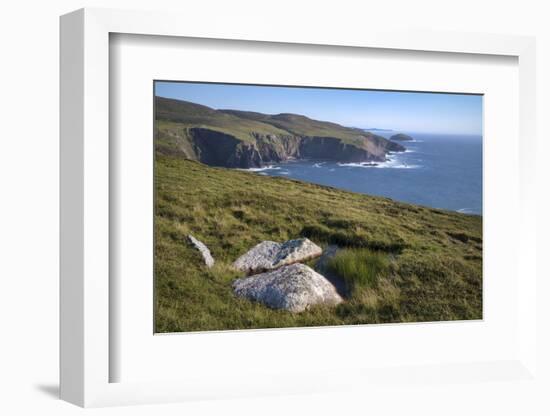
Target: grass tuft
(359, 268)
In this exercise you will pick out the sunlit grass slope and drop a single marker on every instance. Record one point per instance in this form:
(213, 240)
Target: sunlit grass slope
(401, 263)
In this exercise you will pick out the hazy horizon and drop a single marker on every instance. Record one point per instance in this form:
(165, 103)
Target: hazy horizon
(438, 113)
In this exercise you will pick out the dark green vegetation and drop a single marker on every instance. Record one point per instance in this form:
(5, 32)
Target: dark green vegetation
(360, 268)
(245, 139)
(402, 263)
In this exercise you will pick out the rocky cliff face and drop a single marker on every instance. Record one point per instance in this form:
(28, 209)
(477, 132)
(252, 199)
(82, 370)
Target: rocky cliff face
(243, 139)
(219, 149)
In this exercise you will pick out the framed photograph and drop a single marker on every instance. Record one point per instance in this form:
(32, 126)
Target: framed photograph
(311, 203)
(265, 215)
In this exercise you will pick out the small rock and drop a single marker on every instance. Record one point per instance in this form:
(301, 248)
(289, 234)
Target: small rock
(269, 255)
(205, 252)
(293, 288)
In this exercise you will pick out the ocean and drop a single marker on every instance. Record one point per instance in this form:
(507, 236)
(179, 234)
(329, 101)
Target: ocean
(438, 171)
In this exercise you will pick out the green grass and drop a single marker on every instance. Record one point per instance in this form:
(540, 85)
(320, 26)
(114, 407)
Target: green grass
(174, 116)
(432, 257)
(360, 268)
(300, 125)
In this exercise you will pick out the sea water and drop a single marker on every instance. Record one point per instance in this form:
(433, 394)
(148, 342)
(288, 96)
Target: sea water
(439, 171)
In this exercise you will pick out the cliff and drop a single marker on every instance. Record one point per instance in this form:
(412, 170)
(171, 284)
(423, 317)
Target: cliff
(240, 139)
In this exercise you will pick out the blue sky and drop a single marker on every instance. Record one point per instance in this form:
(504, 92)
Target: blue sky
(402, 111)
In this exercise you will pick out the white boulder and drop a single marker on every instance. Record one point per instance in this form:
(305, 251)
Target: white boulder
(293, 288)
(269, 255)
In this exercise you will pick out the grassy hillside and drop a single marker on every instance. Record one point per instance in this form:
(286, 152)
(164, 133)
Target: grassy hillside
(400, 262)
(300, 125)
(241, 124)
(181, 114)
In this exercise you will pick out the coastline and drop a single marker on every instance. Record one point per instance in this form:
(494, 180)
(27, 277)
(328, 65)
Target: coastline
(420, 175)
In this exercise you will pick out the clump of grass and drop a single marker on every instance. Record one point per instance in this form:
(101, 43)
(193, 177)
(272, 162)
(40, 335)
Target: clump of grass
(359, 268)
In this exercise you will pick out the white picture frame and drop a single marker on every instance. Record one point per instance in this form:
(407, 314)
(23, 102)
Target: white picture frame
(85, 210)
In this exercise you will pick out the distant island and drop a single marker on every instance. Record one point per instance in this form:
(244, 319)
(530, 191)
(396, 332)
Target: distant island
(376, 129)
(401, 137)
(245, 139)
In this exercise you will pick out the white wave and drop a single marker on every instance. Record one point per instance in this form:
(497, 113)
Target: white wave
(359, 165)
(396, 163)
(389, 163)
(465, 211)
(393, 164)
(269, 167)
(284, 172)
(318, 165)
(402, 166)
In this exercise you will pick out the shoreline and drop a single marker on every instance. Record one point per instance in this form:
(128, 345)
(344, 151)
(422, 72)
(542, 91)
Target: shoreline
(279, 171)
